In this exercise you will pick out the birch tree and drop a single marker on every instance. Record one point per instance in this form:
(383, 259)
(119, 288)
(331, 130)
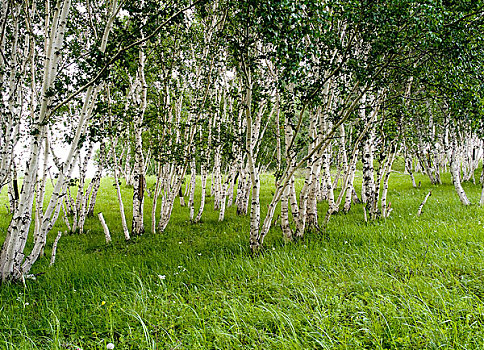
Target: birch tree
(57, 88)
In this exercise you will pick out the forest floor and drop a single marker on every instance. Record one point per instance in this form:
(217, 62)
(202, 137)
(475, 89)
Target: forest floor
(406, 282)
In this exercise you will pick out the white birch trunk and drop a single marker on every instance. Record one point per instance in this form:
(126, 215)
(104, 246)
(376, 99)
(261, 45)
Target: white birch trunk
(455, 172)
(96, 182)
(286, 229)
(224, 194)
(12, 254)
(54, 248)
(204, 192)
(193, 178)
(419, 212)
(107, 235)
(481, 201)
(139, 167)
(120, 198)
(13, 266)
(156, 194)
(385, 208)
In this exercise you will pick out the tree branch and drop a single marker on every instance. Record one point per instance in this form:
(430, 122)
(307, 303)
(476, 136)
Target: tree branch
(117, 56)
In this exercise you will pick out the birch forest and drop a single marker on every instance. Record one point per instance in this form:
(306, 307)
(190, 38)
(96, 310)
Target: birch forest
(135, 133)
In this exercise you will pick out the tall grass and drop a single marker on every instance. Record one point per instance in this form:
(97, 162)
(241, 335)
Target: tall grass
(406, 282)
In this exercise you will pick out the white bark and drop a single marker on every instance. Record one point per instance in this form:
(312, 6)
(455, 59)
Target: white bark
(385, 208)
(54, 248)
(204, 193)
(107, 235)
(156, 194)
(139, 165)
(286, 229)
(349, 184)
(93, 188)
(171, 191)
(193, 177)
(481, 201)
(455, 172)
(12, 263)
(419, 212)
(79, 207)
(119, 196)
(223, 198)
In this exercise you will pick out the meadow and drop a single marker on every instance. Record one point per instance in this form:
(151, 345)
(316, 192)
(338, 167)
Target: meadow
(405, 282)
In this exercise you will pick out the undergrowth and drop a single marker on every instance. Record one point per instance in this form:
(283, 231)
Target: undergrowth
(406, 282)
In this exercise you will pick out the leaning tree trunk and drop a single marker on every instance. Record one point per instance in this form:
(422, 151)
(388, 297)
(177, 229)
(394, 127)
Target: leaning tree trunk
(193, 179)
(286, 229)
(156, 194)
(173, 187)
(408, 167)
(96, 181)
(225, 188)
(204, 193)
(118, 193)
(80, 190)
(455, 172)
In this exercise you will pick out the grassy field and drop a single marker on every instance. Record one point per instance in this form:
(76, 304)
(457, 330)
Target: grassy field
(406, 282)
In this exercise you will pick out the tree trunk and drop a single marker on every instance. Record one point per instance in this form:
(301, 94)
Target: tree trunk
(120, 198)
(156, 194)
(481, 201)
(96, 181)
(204, 192)
(193, 178)
(455, 172)
(139, 167)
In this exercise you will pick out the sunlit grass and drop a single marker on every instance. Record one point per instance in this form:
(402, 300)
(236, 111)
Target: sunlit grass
(403, 283)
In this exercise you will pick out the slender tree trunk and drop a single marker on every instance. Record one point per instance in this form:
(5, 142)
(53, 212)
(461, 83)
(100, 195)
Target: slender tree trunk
(107, 235)
(230, 198)
(139, 166)
(243, 193)
(96, 181)
(80, 196)
(12, 253)
(224, 194)
(481, 201)
(120, 198)
(204, 192)
(385, 208)
(193, 177)
(286, 229)
(54, 248)
(156, 194)
(455, 172)
(303, 203)
(419, 212)
(368, 182)
(408, 167)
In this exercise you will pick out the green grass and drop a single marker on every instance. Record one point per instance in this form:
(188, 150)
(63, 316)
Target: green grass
(403, 283)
